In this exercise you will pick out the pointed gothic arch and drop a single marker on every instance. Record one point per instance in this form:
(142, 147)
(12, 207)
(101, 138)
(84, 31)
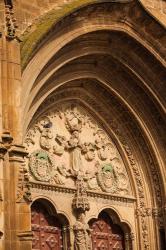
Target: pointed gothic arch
(110, 79)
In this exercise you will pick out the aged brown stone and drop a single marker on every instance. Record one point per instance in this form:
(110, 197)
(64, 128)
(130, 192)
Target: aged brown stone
(82, 123)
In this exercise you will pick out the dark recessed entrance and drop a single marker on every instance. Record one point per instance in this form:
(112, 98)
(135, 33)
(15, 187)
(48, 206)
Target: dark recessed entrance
(48, 233)
(105, 234)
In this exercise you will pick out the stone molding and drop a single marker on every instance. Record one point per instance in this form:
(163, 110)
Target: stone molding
(17, 153)
(29, 39)
(90, 194)
(25, 236)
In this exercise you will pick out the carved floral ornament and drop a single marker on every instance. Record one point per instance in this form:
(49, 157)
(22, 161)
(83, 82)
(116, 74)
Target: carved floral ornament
(67, 142)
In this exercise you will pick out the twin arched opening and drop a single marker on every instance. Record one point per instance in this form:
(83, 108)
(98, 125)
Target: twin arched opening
(53, 231)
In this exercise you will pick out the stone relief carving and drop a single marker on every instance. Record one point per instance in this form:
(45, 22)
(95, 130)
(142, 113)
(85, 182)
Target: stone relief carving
(24, 187)
(11, 25)
(46, 134)
(67, 142)
(43, 168)
(119, 133)
(80, 201)
(82, 233)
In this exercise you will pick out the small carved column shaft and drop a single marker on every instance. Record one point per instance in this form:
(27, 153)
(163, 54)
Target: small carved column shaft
(128, 241)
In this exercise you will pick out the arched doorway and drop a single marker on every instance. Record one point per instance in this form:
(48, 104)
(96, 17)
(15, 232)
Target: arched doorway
(105, 234)
(49, 229)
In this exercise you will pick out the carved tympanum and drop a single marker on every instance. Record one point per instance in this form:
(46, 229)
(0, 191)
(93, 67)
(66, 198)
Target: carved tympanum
(66, 143)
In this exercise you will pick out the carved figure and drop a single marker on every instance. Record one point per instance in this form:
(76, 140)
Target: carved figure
(46, 135)
(101, 145)
(62, 144)
(91, 180)
(75, 146)
(82, 234)
(88, 150)
(79, 156)
(73, 120)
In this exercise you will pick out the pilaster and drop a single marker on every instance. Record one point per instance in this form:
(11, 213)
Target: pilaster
(15, 222)
(10, 77)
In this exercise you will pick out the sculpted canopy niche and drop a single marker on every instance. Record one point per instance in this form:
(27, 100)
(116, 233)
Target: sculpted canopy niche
(66, 143)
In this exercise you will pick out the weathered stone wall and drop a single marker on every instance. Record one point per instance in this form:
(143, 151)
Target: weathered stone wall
(28, 11)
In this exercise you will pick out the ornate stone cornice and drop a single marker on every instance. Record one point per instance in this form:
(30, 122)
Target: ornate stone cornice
(59, 189)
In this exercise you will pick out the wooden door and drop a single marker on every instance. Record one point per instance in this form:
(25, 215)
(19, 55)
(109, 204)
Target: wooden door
(106, 235)
(46, 230)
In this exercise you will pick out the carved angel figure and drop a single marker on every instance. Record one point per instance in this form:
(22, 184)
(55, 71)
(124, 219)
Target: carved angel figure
(82, 234)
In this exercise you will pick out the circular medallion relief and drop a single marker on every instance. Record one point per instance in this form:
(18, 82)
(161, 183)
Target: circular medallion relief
(41, 165)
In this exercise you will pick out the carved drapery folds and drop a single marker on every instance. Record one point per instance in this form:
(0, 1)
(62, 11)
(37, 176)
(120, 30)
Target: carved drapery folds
(82, 234)
(66, 143)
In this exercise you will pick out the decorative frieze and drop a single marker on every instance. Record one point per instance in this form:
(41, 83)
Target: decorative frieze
(48, 189)
(143, 213)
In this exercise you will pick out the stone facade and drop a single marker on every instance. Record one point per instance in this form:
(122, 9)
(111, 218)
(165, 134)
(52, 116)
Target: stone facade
(82, 121)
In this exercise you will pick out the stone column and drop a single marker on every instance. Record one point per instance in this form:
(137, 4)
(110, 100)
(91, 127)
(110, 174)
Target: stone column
(16, 216)
(10, 78)
(71, 238)
(128, 241)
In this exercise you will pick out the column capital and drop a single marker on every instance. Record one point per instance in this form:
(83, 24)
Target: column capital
(7, 138)
(17, 153)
